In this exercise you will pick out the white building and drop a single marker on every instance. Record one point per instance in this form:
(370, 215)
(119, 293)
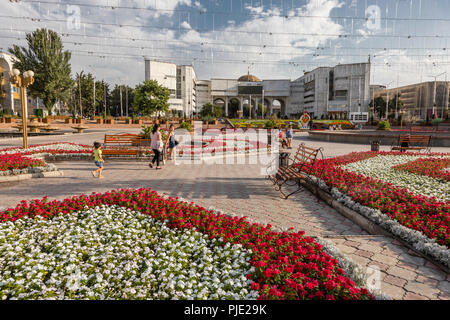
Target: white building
(180, 80)
(323, 91)
(336, 91)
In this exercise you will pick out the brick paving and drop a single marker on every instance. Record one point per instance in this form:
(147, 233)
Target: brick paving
(241, 189)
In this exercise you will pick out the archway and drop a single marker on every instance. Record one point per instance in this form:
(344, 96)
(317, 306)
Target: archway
(247, 109)
(233, 108)
(278, 107)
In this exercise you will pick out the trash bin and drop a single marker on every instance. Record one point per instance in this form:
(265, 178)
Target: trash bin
(375, 145)
(284, 159)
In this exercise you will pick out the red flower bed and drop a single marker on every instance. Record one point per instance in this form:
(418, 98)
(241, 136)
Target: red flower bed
(416, 212)
(287, 265)
(431, 167)
(15, 161)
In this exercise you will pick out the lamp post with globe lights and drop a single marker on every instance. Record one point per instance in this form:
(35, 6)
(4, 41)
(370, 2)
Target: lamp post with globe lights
(23, 81)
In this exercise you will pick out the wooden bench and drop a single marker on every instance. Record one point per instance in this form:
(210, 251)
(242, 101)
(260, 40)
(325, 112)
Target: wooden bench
(127, 144)
(293, 171)
(122, 144)
(410, 142)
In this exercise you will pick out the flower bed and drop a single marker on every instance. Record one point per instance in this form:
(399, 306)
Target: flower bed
(219, 146)
(431, 167)
(367, 179)
(116, 253)
(9, 162)
(50, 148)
(281, 266)
(16, 161)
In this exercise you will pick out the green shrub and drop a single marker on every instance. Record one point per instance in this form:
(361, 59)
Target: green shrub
(384, 125)
(186, 125)
(269, 124)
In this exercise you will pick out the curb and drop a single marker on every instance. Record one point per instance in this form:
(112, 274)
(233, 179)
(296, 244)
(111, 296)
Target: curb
(28, 176)
(363, 222)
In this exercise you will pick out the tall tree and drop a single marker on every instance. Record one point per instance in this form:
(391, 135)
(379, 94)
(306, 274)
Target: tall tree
(150, 97)
(45, 56)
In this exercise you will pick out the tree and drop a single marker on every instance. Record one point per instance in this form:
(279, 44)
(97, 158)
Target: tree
(211, 110)
(115, 99)
(50, 63)
(150, 97)
(87, 94)
(380, 106)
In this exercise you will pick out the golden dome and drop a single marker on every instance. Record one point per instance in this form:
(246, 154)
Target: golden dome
(248, 78)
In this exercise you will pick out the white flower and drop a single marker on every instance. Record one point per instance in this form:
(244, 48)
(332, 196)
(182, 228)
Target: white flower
(104, 253)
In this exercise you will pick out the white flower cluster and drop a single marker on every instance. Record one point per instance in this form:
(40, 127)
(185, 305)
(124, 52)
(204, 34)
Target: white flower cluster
(110, 252)
(15, 172)
(43, 148)
(380, 167)
(416, 238)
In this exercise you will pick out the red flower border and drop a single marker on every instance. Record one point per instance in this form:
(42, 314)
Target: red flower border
(431, 167)
(287, 265)
(421, 213)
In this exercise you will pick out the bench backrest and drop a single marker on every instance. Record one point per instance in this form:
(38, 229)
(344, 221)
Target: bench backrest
(122, 139)
(414, 139)
(306, 155)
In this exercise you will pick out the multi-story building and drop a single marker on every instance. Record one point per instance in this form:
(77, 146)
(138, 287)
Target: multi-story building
(324, 91)
(422, 99)
(336, 91)
(180, 80)
(9, 94)
(10, 98)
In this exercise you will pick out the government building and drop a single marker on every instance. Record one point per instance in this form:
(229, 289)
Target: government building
(325, 91)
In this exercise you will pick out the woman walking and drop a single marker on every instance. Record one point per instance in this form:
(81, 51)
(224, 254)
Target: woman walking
(156, 145)
(171, 142)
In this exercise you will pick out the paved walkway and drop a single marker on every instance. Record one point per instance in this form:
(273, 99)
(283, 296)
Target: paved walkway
(242, 190)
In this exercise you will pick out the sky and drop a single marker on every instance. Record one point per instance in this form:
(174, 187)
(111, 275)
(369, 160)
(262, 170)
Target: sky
(408, 40)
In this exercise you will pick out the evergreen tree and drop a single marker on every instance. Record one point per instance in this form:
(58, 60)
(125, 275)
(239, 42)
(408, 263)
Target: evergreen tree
(51, 65)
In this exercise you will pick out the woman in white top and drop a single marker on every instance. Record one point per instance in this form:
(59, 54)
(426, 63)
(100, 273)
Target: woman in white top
(156, 146)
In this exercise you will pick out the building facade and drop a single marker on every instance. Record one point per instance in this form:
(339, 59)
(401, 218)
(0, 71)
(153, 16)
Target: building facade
(324, 91)
(9, 94)
(333, 91)
(180, 80)
(421, 100)
(257, 96)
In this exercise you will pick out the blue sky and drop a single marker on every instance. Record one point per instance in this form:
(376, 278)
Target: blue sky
(277, 39)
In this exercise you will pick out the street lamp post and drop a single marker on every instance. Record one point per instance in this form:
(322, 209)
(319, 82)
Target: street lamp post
(387, 99)
(434, 94)
(23, 82)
